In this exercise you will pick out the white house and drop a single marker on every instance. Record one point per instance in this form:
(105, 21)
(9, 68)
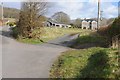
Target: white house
(94, 25)
(85, 24)
(89, 24)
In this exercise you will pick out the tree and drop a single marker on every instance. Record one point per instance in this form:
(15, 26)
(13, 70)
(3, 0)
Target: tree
(103, 22)
(61, 17)
(77, 23)
(30, 19)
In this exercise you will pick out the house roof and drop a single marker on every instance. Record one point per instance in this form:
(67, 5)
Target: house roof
(89, 20)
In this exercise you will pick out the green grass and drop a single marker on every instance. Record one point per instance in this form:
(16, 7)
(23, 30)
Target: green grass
(90, 39)
(52, 33)
(29, 41)
(86, 63)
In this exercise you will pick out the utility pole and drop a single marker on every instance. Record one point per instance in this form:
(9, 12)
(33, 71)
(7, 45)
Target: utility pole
(98, 19)
(2, 12)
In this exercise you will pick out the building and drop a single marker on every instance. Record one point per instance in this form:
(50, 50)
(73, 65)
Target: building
(89, 24)
(51, 23)
(85, 24)
(94, 25)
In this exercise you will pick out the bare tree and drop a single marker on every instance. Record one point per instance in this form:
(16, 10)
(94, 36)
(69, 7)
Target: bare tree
(61, 17)
(110, 21)
(77, 23)
(30, 18)
(103, 22)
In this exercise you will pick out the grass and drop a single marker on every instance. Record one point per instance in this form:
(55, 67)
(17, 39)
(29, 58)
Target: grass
(87, 62)
(94, 62)
(52, 33)
(90, 40)
(29, 41)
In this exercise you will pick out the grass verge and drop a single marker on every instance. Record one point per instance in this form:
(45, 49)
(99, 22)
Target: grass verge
(90, 40)
(86, 63)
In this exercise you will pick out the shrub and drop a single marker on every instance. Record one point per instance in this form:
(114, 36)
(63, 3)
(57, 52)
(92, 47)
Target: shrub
(15, 32)
(31, 19)
(11, 23)
(111, 30)
(115, 28)
(103, 30)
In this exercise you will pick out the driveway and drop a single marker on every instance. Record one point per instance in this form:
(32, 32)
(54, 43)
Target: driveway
(30, 61)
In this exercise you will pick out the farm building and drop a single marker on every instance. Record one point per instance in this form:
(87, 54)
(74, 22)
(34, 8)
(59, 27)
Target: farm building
(89, 24)
(51, 23)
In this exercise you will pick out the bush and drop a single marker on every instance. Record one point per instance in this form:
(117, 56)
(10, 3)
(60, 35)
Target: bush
(104, 30)
(115, 28)
(11, 23)
(15, 32)
(111, 30)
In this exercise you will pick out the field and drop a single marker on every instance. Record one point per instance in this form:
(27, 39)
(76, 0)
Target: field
(52, 33)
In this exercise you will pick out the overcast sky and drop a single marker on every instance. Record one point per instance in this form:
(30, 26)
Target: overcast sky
(78, 9)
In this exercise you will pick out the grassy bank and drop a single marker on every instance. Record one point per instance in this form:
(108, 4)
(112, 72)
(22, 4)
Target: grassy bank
(90, 60)
(52, 33)
(90, 40)
(86, 63)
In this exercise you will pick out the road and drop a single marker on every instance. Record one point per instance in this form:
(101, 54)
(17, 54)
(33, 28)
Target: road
(30, 61)
(0, 53)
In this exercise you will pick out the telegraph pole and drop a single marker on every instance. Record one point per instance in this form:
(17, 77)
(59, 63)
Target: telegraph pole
(98, 19)
(2, 12)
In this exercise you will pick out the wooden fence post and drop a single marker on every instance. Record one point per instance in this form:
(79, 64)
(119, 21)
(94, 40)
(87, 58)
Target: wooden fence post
(119, 46)
(113, 42)
(119, 50)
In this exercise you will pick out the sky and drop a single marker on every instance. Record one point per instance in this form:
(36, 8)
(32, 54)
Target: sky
(77, 9)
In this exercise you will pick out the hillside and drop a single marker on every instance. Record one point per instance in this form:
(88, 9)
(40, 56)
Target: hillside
(11, 12)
